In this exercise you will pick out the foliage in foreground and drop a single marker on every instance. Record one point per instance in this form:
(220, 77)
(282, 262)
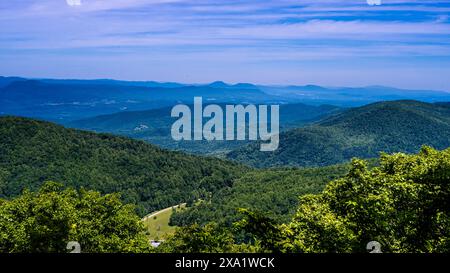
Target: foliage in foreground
(404, 204)
(45, 221)
(211, 238)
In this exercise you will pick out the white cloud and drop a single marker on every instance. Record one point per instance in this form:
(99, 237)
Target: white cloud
(73, 2)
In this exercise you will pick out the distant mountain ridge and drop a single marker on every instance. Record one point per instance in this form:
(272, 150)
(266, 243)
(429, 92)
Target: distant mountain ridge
(353, 96)
(397, 126)
(62, 100)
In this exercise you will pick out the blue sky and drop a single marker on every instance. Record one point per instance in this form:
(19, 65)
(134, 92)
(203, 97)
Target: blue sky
(326, 42)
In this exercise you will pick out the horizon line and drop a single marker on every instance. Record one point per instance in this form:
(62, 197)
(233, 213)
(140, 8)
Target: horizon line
(226, 83)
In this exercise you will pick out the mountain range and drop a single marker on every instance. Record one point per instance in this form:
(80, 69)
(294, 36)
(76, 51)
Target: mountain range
(66, 100)
(62, 100)
(365, 122)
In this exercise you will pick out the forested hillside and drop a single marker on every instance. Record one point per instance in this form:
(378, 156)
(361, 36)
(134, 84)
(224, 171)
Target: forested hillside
(275, 192)
(32, 152)
(402, 204)
(398, 126)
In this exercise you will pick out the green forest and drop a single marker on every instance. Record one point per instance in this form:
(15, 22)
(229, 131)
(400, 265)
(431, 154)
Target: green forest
(390, 126)
(273, 191)
(403, 204)
(104, 184)
(32, 152)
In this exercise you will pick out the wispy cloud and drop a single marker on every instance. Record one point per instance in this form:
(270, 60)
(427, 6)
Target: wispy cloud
(213, 32)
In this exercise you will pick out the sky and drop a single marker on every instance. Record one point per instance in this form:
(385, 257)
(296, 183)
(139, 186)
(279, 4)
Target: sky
(399, 43)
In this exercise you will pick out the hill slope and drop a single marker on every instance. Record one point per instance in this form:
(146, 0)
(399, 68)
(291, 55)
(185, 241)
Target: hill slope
(32, 152)
(274, 191)
(398, 126)
(154, 126)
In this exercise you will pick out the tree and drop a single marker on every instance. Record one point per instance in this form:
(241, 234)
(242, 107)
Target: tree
(211, 238)
(45, 221)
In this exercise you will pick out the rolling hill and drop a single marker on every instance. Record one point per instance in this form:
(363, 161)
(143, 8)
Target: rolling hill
(397, 126)
(154, 126)
(32, 152)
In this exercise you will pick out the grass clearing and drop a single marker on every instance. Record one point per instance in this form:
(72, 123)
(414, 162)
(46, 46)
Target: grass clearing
(157, 223)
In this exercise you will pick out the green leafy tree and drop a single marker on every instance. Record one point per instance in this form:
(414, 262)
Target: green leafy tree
(45, 221)
(315, 228)
(404, 204)
(264, 230)
(211, 238)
